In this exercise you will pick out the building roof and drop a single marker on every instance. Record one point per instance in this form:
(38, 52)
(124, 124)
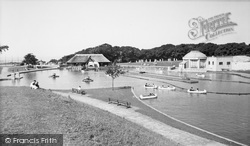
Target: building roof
(83, 58)
(195, 55)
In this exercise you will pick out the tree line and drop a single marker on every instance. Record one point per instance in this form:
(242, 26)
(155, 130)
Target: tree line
(168, 51)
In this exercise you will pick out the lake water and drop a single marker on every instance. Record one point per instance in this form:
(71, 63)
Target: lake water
(225, 115)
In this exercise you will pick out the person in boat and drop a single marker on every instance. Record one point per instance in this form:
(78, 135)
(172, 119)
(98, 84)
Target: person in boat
(191, 89)
(197, 89)
(151, 94)
(146, 84)
(54, 75)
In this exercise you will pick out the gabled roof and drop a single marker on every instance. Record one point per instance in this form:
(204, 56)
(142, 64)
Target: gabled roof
(82, 58)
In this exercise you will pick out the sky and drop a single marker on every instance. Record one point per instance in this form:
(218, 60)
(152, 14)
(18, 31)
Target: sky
(51, 29)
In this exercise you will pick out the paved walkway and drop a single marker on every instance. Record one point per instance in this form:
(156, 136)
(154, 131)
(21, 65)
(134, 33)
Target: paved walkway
(181, 137)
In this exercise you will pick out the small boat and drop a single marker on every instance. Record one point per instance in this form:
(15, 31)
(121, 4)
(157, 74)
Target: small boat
(150, 96)
(18, 78)
(200, 75)
(150, 86)
(167, 88)
(197, 91)
(87, 80)
(172, 67)
(54, 76)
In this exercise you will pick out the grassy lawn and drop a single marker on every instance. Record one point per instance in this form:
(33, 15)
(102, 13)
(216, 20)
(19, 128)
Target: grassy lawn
(26, 111)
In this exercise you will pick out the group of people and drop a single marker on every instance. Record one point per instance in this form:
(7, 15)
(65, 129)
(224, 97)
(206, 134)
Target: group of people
(191, 89)
(165, 86)
(34, 85)
(149, 85)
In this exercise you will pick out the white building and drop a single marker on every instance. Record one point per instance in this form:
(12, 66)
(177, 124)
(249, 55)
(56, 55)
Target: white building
(193, 61)
(198, 62)
(222, 63)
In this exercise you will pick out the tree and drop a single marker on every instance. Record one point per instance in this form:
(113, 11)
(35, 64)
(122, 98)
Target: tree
(30, 59)
(53, 61)
(3, 48)
(114, 71)
(64, 59)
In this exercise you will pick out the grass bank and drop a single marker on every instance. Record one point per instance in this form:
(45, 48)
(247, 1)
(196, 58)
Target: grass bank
(26, 111)
(126, 95)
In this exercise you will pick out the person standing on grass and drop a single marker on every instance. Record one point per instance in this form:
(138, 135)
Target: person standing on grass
(79, 89)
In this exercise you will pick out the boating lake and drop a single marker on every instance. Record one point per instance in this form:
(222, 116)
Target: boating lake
(225, 115)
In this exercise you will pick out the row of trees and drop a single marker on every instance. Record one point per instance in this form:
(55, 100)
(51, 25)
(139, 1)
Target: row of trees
(168, 51)
(131, 54)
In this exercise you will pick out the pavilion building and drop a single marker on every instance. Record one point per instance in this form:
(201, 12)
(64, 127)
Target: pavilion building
(194, 60)
(88, 60)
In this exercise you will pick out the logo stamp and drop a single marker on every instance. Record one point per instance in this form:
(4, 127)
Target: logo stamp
(210, 28)
(31, 139)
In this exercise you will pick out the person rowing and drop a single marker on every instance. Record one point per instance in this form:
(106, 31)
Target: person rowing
(54, 75)
(88, 78)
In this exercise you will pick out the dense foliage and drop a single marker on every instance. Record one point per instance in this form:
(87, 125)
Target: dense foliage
(3, 48)
(168, 51)
(30, 59)
(53, 61)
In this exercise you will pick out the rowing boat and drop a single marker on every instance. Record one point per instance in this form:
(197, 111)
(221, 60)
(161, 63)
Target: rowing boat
(197, 91)
(18, 78)
(150, 96)
(150, 86)
(87, 80)
(200, 75)
(167, 88)
(54, 76)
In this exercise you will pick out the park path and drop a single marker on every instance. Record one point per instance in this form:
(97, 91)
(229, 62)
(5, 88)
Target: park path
(176, 135)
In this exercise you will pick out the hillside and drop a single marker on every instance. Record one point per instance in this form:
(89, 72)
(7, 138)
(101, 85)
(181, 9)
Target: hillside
(165, 52)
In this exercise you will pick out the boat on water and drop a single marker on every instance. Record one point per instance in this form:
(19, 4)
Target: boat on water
(185, 78)
(150, 86)
(150, 96)
(197, 91)
(200, 75)
(166, 88)
(18, 78)
(54, 76)
(87, 80)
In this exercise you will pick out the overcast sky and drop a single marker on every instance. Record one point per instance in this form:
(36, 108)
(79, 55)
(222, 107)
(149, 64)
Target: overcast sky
(55, 28)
